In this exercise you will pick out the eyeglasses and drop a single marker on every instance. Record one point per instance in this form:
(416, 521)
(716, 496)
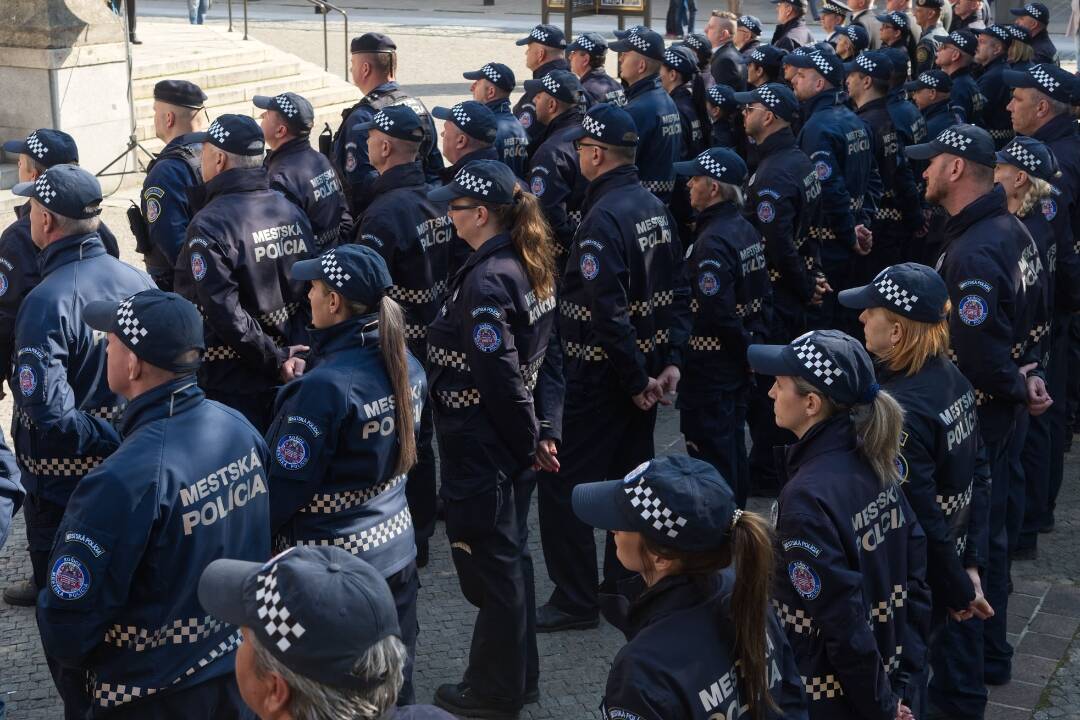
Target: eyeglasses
(751, 108)
(456, 208)
(578, 145)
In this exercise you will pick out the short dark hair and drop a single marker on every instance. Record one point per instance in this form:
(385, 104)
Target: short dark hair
(597, 61)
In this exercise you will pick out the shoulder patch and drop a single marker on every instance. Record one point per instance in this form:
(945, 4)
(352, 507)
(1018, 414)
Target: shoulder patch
(89, 542)
(198, 266)
(69, 579)
(823, 170)
(618, 713)
(27, 380)
(985, 286)
(486, 337)
(537, 186)
(3, 284)
(708, 284)
(368, 238)
(799, 544)
(350, 161)
(901, 467)
(525, 119)
(153, 210)
(590, 266)
(487, 310)
(974, 310)
(766, 212)
(300, 420)
(292, 452)
(805, 581)
(1049, 209)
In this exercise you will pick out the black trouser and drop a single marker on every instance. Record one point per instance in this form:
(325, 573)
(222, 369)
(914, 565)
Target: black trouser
(997, 651)
(256, 407)
(129, 6)
(715, 432)
(42, 520)
(218, 698)
(485, 543)
(421, 488)
(404, 585)
(523, 492)
(956, 656)
(764, 436)
(604, 437)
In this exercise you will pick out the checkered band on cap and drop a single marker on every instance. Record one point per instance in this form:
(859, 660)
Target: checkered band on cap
(473, 183)
(954, 139)
(1001, 33)
(749, 22)
(129, 325)
(34, 145)
(757, 56)
(460, 116)
(539, 34)
(673, 58)
(1023, 156)
(586, 43)
(593, 126)
(1017, 32)
(1033, 11)
(382, 120)
(959, 40)
(43, 189)
(491, 73)
(711, 165)
(816, 362)
(217, 132)
(895, 294)
(716, 96)
(280, 625)
(1044, 78)
(822, 63)
(866, 63)
(637, 41)
(286, 105)
(852, 33)
(898, 19)
(928, 80)
(333, 271)
(551, 84)
(653, 510)
(768, 97)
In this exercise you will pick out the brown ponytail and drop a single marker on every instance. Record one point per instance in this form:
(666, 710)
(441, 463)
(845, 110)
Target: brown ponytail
(532, 238)
(396, 359)
(752, 549)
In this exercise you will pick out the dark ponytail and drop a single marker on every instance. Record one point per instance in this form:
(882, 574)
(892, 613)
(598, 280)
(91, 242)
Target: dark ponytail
(532, 238)
(396, 359)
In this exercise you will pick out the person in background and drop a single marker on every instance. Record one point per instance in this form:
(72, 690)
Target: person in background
(545, 48)
(492, 85)
(587, 56)
(1035, 18)
(747, 33)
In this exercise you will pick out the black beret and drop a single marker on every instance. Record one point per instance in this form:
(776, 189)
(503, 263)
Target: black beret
(372, 43)
(180, 92)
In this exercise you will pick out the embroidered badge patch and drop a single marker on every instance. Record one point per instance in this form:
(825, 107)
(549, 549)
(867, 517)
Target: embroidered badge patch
(153, 210)
(525, 119)
(69, 578)
(486, 337)
(765, 211)
(1049, 208)
(198, 266)
(708, 284)
(901, 467)
(350, 161)
(3, 284)
(537, 186)
(805, 581)
(822, 170)
(27, 380)
(590, 266)
(973, 310)
(292, 452)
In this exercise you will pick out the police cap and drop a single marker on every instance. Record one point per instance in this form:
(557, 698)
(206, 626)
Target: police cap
(372, 42)
(966, 141)
(180, 92)
(914, 291)
(700, 45)
(66, 190)
(159, 327)
(1033, 157)
(546, 35)
(857, 34)
(998, 32)
(47, 146)
(236, 134)
(495, 73)
(1048, 79)
(835, 363)
(829, 66)
(777, 97)
(895, 18)
(562, 85)
(722, 96)
(753, 24)
(644, 42)
(930, 80)
(835, 7)
(489, 181)
(297, 111)
(718, 163)
(681, 59)
(474, 119)
(591, 43)
(356, 272)
(397, 121)
(875, 64)
(963, 40)
(1035, 11)
(609, 124)
(768, 57)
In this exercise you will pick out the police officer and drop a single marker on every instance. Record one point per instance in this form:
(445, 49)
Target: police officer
(554, 176)
(337, 475)
(905, 316)
(373, 68)
(838, 144)
(1021, 54)
(731, 308)
(725, 127)
(587, 56)
(991, 56)
(63, 407)
(967, 15)
(468, 134)
(833, 15)
(492, 85)
(931, 91)
(1040, 109)
(702, 80)
(906, 118)
(748, 29)
(899, 213)
(161, 220)
(621, 311)
(984, 268)
(40, 150)
(485, 349)
(791, 31)
(298, 171)
(413, 236)
(851, 40)
(765, 64)
(140, 528)
(928, 16)
(1035, 18)
(896, 33)
(862, 14)
(956, 56)
(783, 201)
(655, 116)
(685, 655)
(234, 266)
(544, 49)
(851, 588)
(676, 74)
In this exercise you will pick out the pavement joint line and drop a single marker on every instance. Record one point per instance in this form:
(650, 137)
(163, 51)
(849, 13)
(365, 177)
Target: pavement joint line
(1025, 630)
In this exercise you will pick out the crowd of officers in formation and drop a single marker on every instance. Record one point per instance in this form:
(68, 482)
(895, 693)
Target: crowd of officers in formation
(865, 249)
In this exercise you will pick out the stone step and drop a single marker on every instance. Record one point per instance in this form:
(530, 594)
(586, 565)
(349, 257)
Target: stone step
(9, 175)
(198, 60)
(223, 77)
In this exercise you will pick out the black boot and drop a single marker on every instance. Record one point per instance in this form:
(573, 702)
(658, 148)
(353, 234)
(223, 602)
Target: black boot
(460, 699)
(551, 619)
(22, 595)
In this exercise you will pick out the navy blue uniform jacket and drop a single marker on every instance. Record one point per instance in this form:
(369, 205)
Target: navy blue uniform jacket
(659, 135)
(334, 444)
(166, 206)
(305, 176)
(555, 178)
(511, 140)
(186, 487)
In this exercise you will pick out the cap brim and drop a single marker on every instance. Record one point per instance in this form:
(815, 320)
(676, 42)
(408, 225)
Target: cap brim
(100, 314)
(596, 504)
(473, 75)
(199, 137)
(925, 151)
(688, 168)
(533, 86)
(444, 194)
(799, 61)
(622, 45)
(575, 133)
(859, 298)
(25, 189)
(1018, 12)
(307, 270)
(263, 102)
(525, 41)
(15, 146)
(911, 85)
(1017, 78)
(769, 360)
(221, 590)
(441, 113)
(746, 98)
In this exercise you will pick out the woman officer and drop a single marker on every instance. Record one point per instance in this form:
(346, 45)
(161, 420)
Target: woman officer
(485, 349)
(905, 317)
(851, 590)
(701, 643)
(344, 434)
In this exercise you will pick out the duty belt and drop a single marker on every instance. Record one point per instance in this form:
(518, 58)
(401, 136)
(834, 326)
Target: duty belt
(329, 503)
(415, 296)
(658, 186)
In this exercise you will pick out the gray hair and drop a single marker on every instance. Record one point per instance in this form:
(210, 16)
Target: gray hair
(243, 162)
(381, 667)
(731, 193)
(75, 226)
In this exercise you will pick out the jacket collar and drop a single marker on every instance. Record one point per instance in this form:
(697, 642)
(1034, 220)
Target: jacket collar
(960, 72)
(937, 108)
(236, 180)
(488, 153)
(720, 212)
(558, 63)
(824, 99)
(185, 139)
(570, 118)
(502, 105)
(989, 205)
(875, 104)
(836, 434)
(172, 398)
(489, 248)
(669, 595)
(611, 180)
(357, 331)
(644, 85)
(1056, 128)
(296, 145)
(69, 250)
(399, 176)
(779, 140)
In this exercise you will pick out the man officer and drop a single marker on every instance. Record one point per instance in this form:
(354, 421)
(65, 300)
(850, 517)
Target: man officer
(587, 56)
(373, 66)
(492, 85)
(928, 17)
(992, 57)
(544, 48)
(618, 313)
(160, 222)
(1035, 18)
(140, 529)
(63, 405)
(300, 172)
(956, 56)
(654, 113)
(234, 267)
